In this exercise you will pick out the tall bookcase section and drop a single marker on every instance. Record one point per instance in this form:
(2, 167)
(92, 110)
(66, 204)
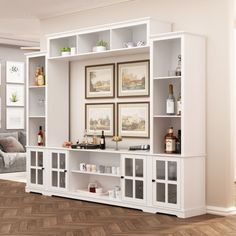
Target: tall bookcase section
(36, 98)
(191, 85)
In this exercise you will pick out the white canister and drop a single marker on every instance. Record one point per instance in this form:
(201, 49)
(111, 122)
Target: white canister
(88, 167)
(93, 168)
(118, 170)
(73, 50)
(113, 170)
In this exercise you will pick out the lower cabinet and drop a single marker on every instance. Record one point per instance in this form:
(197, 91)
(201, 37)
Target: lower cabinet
(166, 182)
(36, 168)
(58, 169)
(134, 178)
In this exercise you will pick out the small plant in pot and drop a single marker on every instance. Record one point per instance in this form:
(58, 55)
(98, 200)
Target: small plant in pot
(101, 46)
(65, 51)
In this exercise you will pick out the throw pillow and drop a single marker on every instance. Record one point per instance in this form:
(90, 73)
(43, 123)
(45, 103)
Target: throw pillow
(10, 144)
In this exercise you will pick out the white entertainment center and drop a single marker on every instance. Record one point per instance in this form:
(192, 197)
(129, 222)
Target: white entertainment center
(152, 181)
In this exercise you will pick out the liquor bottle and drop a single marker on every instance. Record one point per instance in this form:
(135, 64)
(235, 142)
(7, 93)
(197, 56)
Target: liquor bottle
(178, 105)
(178, 68)
(178, 142)
(170, 141)
(40, 79)
(40, 136)
(95, 139)
(102, 141)
(170, 102)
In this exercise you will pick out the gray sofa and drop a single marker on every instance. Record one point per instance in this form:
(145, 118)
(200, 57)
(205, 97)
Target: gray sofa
(13, 162)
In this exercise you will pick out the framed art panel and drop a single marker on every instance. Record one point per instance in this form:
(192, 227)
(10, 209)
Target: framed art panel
(15, 118)
(15, 95)
(99, 81)
(133, 79)
(133, 119)
(15, 72)
(99, 117)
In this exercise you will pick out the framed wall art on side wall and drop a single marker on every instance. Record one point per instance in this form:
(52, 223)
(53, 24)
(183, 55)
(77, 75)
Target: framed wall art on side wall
(15, 72)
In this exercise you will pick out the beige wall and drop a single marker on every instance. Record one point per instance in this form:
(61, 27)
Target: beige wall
(211, 18)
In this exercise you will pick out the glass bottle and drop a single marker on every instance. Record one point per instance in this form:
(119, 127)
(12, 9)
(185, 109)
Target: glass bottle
(40, 136)
(102, 141)
(178, 68)
(85, 138)
(40, 78)
(170, 102)
(178, 105)
(170, 141)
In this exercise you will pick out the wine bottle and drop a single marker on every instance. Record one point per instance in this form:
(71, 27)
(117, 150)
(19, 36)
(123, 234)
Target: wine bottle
(178, 142)
(102, 141)
(178, 106)
(178, 68)
(40, 136)
(170, 141)
(170, 102)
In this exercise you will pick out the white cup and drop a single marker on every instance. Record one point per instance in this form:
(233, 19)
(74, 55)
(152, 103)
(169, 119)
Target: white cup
(82, 167)
(88, 167)
(111, 193)
(99, 190)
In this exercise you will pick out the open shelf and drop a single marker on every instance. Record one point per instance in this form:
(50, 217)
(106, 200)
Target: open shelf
(167, 77)
(166, 116)
(36, 102)
(37, 87)
(94, 173)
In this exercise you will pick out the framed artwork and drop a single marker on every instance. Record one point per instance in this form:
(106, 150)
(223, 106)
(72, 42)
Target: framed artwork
(15, 95)
(99, 81)
(133, 79)
(99, 117)
(133, 119)
(15, 118)
(15, 72)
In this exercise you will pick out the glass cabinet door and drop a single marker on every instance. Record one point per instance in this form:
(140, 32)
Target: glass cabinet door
(166, 185)
(36, 167)
(58, 172)
(134, 178)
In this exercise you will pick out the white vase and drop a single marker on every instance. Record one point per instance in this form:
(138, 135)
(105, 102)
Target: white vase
(65, 53)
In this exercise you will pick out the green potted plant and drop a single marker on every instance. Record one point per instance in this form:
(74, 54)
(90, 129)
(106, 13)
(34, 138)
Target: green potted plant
(65, 51)
(101, 46)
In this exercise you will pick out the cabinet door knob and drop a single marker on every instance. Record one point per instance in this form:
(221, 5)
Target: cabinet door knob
(42, 168)
(122, 177)
(65, 171)
(153, 180)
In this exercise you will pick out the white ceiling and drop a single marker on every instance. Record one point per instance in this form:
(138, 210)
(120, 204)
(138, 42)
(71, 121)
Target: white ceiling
(20, 19)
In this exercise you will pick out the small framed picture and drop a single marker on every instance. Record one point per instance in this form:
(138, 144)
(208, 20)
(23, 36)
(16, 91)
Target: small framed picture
(99, 81)
(15, 118)
(15, 72)
(133, 119)
(15, 95)
(99, 117)
(133, 79)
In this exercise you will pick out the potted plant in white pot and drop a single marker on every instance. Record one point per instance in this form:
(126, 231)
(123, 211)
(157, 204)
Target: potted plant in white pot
(101, 46)
(65, 51)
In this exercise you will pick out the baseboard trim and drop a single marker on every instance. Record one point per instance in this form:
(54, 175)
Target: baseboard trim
(222, 211)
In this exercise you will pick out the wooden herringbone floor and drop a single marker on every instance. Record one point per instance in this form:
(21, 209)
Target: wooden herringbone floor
(33, 214)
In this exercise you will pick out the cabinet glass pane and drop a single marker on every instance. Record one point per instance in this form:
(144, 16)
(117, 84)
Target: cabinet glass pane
(138, 189)
(40, 159)
(33, 176)
(33, 158)
(40, 177)
(62, 179)
(160, 192)
(54, 179)
(172, 170)
(128, 167)
(160, 169)
(62, 161)
(129, 188)
(138, 167)
(54, 160)
(172, 193)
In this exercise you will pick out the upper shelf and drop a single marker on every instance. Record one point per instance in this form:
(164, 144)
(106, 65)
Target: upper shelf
(108, 53)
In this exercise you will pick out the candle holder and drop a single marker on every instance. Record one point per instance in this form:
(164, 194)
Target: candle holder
(116, 139)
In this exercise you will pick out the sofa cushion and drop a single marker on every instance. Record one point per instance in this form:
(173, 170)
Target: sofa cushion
(10, 144)
(22, 138)
(6, 135)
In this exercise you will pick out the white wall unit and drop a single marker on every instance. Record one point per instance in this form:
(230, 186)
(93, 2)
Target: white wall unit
(151, 181)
